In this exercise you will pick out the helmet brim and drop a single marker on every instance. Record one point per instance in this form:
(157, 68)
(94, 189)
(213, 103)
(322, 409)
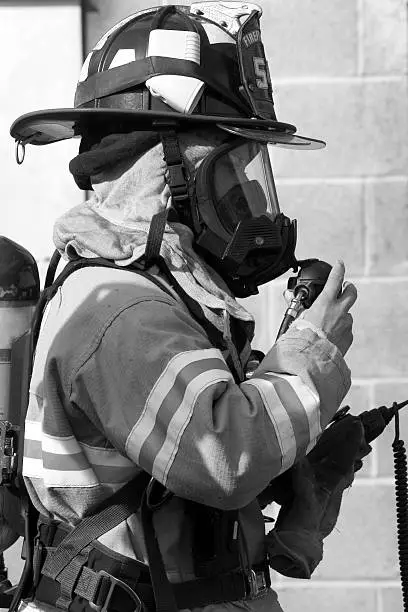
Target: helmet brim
(53, 125)
(280, 139)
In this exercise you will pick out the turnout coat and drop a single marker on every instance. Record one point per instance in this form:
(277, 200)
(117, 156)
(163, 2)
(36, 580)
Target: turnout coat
(125, 379)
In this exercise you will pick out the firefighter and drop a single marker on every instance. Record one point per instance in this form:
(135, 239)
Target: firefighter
(141, 410)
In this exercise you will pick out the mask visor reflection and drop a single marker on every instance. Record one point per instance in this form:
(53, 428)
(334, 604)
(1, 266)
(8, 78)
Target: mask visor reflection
(243, 184)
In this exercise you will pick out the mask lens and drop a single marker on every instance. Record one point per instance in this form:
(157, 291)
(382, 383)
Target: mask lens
(243, 184)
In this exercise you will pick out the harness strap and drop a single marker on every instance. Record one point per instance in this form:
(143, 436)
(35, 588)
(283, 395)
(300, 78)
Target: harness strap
(66, 562)
(206, 591)
(69, 578)
(214, 335)
(110, 590)
(163, 592)
(113, 511)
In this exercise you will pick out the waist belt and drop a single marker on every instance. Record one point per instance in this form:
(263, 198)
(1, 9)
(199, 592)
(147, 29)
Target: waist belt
(106, 581)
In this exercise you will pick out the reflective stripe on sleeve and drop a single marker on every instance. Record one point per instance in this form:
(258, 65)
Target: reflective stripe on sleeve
(154, 440)
(293, 410)
(310, 402)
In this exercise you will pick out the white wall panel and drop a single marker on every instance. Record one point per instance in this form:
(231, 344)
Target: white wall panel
(40, 47)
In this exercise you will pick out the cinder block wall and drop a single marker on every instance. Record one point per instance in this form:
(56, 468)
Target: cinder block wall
(340, 74)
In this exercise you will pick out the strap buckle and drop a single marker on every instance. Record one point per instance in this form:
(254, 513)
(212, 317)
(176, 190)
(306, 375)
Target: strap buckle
(257, 583)
(176, 177)
(104, 590)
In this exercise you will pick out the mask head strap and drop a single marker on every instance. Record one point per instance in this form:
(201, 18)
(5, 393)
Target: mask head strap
(177, 180)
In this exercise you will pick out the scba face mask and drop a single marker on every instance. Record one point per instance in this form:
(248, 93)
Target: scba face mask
(236, 219)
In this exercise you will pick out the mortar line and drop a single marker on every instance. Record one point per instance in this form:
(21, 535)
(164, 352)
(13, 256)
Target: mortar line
(339, 80)
(382, 481)
(280, 284)
(338, 584)
(365, 280)
(339, 180)
(363, 382)
(379, 600)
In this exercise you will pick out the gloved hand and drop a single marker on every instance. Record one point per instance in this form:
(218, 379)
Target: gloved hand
(330, 311)
(311, 493)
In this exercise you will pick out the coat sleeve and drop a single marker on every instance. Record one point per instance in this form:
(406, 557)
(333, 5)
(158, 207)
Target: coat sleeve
(164, 396)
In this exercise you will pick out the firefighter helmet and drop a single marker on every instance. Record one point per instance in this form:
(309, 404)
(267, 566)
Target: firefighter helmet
(193, 65)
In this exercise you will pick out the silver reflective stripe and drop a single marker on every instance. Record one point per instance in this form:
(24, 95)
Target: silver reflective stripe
(155, 438)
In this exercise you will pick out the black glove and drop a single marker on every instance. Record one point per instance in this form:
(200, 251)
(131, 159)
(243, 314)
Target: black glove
(310, 494)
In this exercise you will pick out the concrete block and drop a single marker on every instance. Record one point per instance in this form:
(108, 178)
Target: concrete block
(380, 329)
(387, 214)
(335, 599)
(391, 599)
(363, 122)
(363, 544)
(358, 398)
(384, 37)
(330, 220)
(385, 394)
(312, 37)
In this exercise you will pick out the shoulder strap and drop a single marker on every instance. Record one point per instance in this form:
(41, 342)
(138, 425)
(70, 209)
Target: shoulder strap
(99, 262)
(52, 286)
(214, 335)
